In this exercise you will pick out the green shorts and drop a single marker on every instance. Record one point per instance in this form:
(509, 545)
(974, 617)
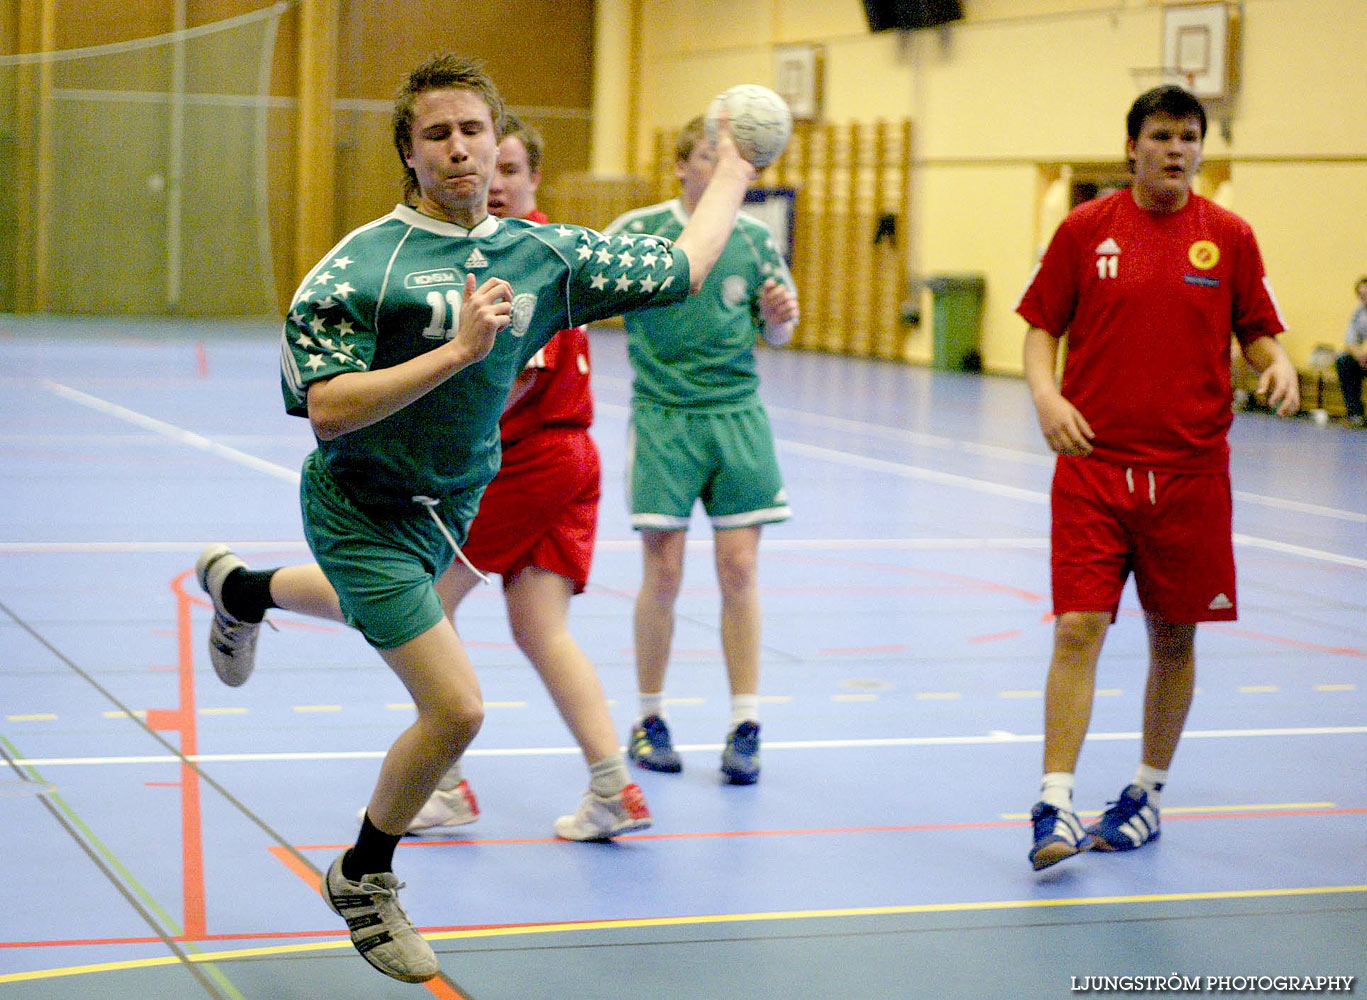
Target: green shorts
(725, 459)
(382, 566)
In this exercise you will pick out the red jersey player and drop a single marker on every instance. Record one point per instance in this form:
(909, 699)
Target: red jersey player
(1148, 284)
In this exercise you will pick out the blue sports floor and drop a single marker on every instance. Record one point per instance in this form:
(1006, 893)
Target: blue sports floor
(163, 834)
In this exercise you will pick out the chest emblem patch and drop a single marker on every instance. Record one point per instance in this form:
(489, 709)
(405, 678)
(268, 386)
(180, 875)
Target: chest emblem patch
(1204, 255)
(524, 306)
(734, 290)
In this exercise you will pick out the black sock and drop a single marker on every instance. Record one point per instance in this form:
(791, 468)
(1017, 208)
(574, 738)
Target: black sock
(373, 853)
(247, 594)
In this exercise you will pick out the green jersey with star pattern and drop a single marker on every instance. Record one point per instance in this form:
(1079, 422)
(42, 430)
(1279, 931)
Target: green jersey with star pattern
(700, 353)
(392, 289)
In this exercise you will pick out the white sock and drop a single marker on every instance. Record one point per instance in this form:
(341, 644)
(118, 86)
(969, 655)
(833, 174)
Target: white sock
(651, 704)
(744, 707)
(453, 777)
(1152, 781)
(609, 775)
(1056, 789)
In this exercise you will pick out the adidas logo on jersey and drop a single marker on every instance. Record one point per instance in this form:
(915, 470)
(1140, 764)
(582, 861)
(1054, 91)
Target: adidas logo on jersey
(1221, 603)
(476, 259)
(1108, 246)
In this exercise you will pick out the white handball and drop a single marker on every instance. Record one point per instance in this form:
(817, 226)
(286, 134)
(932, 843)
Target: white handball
(761, 123)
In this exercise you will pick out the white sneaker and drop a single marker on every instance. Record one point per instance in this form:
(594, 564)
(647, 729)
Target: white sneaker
(232, 642)
(446, 807)
(599, 818)
(380, 929)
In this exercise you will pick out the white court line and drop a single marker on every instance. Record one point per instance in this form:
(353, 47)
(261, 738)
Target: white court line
(829, 454)
(997, 451)
(171, 431)
(997, 737)
(631, 545)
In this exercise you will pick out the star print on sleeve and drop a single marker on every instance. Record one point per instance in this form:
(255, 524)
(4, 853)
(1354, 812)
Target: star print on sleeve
(622, 272)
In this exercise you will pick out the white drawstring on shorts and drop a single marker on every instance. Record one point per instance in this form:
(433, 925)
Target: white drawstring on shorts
(431, 506)
(1153, 486)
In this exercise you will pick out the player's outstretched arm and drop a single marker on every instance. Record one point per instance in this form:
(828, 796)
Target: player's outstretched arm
(1066, 430)
(708, 229)
(353, 400)
(1279, 380)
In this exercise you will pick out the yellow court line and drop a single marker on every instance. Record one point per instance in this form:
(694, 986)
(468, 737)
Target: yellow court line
(139, 713)
(37, 717)
(1336, 687)
(702, 920)
(317, 708)
(227, 710)
(1200, 810)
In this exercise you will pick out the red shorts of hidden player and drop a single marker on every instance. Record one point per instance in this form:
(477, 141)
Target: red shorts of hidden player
(541, 509)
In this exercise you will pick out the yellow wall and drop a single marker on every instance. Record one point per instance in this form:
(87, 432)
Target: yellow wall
(1020, 85)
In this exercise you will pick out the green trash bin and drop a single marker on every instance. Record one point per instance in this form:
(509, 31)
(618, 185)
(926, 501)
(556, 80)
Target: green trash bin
(958, 313)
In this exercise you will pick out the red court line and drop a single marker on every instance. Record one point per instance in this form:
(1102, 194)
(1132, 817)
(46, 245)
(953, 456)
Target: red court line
(997, 637)
(1360, 654)
(182, 721)
(972, 582)
(824, 831)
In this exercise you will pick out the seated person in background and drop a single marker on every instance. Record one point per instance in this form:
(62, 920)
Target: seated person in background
(1352, 362)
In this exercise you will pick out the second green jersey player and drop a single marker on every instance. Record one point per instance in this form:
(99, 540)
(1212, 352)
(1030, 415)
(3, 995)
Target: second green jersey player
(699, 432)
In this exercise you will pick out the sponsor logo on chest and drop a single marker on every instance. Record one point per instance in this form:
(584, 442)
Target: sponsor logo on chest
(432, 277)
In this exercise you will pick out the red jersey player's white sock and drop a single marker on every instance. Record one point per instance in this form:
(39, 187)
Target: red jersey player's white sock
(651, 704)
(744, 708)
(1152, 781)
(1056, 789)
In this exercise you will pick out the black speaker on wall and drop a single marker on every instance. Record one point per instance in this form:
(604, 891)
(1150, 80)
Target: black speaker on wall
(908, 15)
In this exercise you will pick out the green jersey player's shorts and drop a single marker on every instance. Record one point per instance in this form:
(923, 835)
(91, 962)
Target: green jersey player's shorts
(725, 458)
(382, 564)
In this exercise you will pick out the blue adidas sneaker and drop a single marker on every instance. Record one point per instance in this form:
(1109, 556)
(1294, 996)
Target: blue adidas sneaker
(1128, 823)
(651, 748)
(1058, 835)
(740, 759)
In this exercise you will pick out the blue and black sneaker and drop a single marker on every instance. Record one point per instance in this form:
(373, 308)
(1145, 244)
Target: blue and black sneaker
(1128, 822)
(1058, 835)
(651, 748)
(740, 759)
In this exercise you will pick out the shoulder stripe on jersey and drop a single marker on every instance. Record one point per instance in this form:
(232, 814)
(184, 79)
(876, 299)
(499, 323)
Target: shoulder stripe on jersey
(322, 261)
(1276, 306)
(384, 282)
(783, 274)
(1028, 282)
(622, 220)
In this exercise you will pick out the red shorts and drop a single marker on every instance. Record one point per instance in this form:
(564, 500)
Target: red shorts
(1172, 530)
(541, 509)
